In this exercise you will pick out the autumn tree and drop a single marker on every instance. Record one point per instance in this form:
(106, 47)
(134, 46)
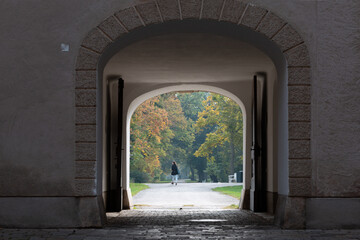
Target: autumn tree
(192, 104)
(150, 134)
(160, 134)
(179, 148)
(201, 131)
(225, 116)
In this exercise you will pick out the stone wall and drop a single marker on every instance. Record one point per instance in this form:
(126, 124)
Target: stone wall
(37, 96)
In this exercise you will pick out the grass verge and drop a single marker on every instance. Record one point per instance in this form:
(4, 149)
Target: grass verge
(190, 181)
(234, 191)
(232, 206)
(137, 187)
(163, 181)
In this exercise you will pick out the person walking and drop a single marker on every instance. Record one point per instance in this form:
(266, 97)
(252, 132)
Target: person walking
(174, 173)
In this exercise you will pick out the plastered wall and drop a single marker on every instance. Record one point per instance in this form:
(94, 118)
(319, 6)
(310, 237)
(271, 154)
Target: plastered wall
(37, 90)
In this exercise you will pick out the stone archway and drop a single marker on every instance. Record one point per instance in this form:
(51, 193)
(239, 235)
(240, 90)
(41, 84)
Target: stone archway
(292, 208)
(135, 103)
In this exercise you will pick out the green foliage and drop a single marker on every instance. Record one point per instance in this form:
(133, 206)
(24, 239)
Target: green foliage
(163, 181)
(138, 176)
(183, 137)
(212, 170)
(190, 181)
(192, 105)
(234, 191)
(150, 136)
(201, 131)
(223, 144)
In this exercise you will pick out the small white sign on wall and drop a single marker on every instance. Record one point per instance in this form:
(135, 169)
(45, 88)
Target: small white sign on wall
(64, 47)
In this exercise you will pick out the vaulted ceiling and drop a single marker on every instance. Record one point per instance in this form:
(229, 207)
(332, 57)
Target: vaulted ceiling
(185, 57)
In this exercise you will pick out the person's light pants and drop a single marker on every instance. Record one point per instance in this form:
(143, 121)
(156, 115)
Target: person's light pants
(174, 178)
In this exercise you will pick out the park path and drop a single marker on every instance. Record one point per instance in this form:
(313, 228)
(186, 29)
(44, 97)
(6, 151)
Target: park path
(184, 195)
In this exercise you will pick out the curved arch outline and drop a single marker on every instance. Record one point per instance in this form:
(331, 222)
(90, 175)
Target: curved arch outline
(255, 18)
(182, 87)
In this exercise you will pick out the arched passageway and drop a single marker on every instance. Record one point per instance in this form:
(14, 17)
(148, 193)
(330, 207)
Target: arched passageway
(179, 62)
(202, 131)
(246, 23)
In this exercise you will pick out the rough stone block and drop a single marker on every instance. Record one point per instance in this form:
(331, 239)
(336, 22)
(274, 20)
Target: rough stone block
(300, 187)
(233, 10)
(253, 16)
(212, 9)
(85, 187)
(271, 198)
(299, 149)
(96, 40)
(294, 215)
(85, 115)
(299, 76)
(287, 38)
(42, 212)
(299, 130)
(85, 169)
(149, 13)
(169, 9)
(333, 213)
(129, 18)
(300, 168)
(85, 151)
(88, 206)
(298, 56)
(270, 25)
(299, 112)
(190, 8)
(85, 133)
(299, 94)
(85, 79)
(280, 210)
(85, 97)
(87, 59)
(112, 27)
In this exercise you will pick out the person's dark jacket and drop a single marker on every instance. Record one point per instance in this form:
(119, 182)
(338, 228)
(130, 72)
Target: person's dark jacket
(174, 169)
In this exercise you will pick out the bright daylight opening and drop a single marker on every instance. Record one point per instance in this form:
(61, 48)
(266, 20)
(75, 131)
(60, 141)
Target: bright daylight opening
(186, 151)
(187, 98)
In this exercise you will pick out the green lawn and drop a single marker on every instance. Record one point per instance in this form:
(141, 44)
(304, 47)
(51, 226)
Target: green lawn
(163, 181)
(190, 181)
(137, 187)
(234, 191)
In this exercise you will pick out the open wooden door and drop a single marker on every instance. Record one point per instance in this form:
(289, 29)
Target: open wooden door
(258, 149)
(113, 191)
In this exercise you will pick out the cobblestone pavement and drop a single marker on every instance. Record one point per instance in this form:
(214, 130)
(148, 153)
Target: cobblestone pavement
(180, 224)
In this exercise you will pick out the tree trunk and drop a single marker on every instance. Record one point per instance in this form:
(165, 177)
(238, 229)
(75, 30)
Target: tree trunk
(201, 175)
(192, 175)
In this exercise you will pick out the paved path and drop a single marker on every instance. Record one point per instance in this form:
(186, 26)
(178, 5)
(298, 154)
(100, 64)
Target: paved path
(188, 217)
(180, 224)
(184, 195)
(187, 223)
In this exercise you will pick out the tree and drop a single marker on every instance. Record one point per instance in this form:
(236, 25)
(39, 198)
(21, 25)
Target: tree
(179, 147)
(160, 134)
(202, 131)
(225, 116)
(150, 133)
(192, 104)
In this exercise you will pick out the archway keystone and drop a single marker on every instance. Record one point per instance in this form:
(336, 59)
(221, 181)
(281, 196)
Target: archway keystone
(233, 11)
